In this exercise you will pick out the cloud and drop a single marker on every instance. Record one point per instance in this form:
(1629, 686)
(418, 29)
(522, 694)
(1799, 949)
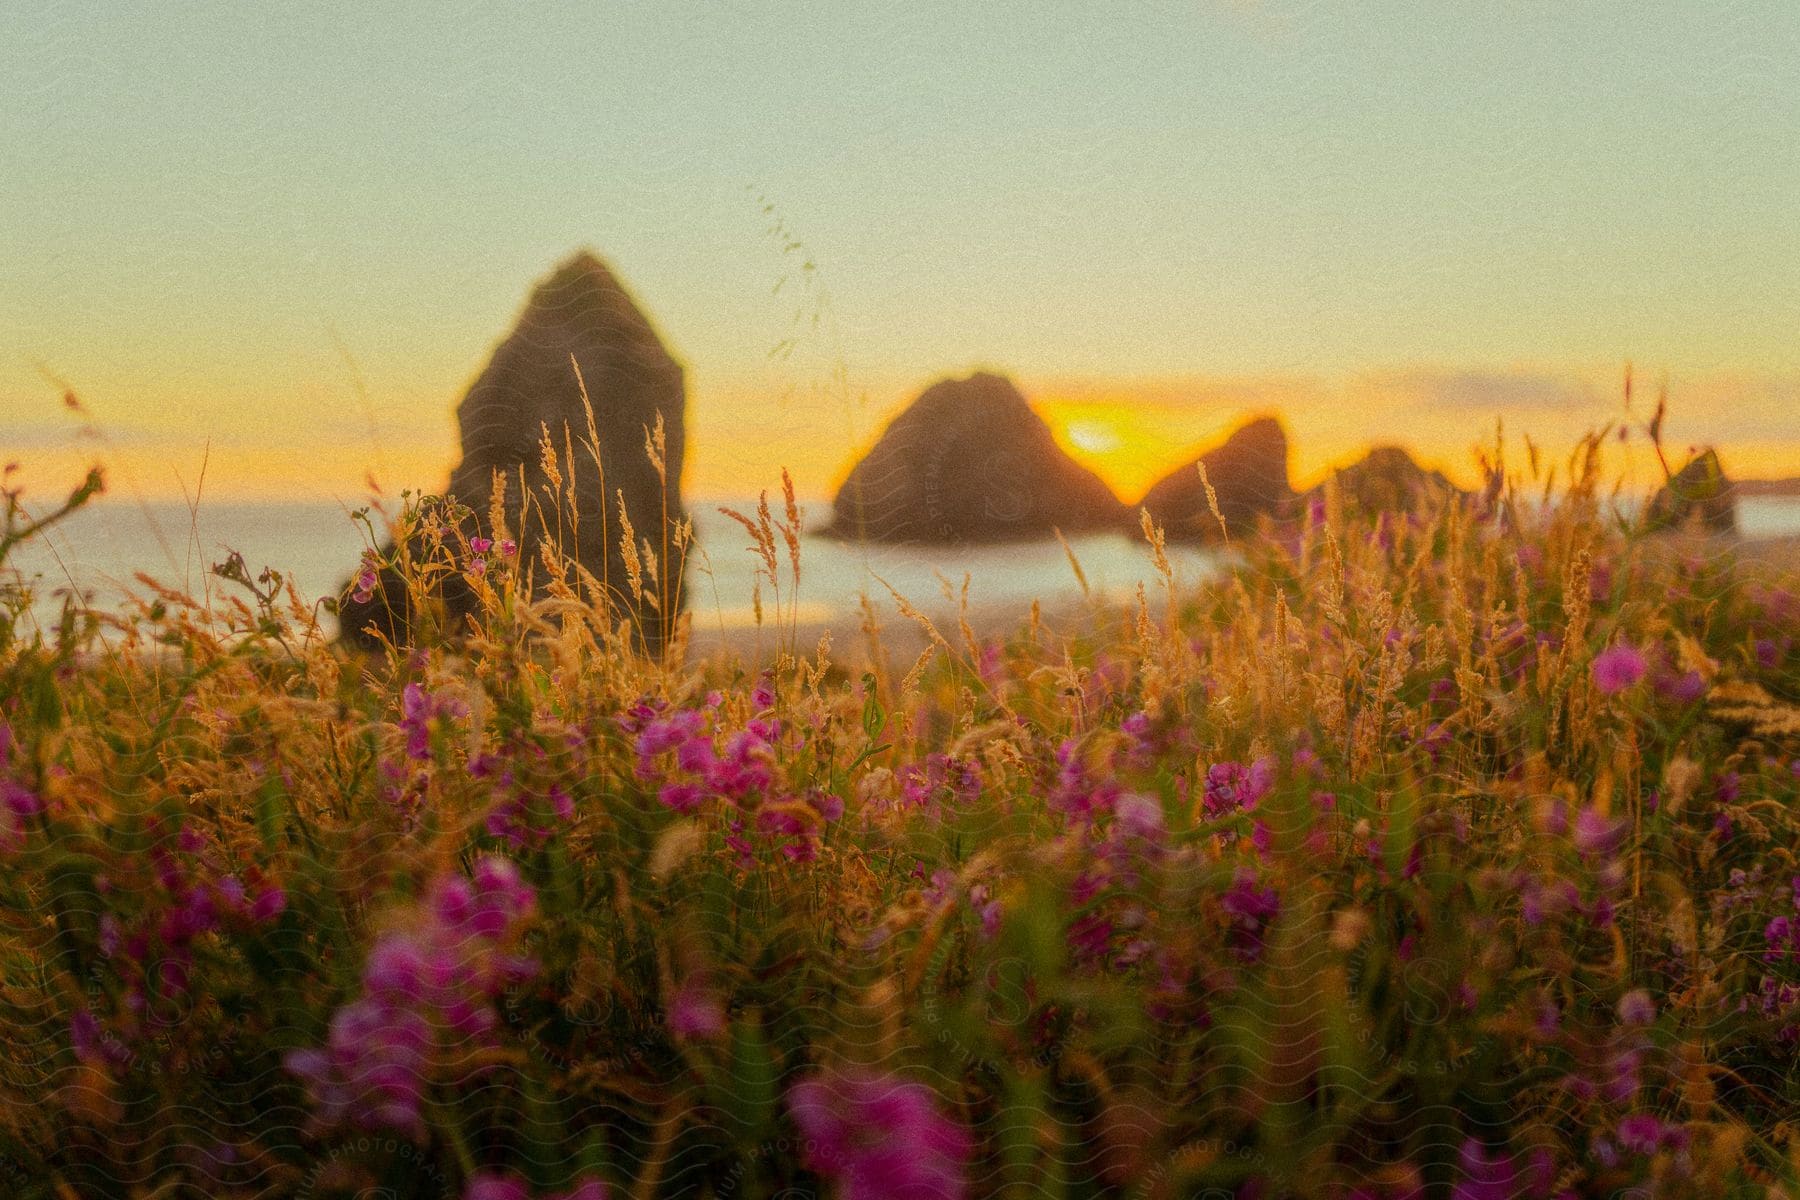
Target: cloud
(1490, 391)
(72, 434)
(26, 436)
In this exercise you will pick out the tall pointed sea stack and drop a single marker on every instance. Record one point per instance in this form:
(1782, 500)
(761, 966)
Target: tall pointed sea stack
(1699, 495)
(581, 316)
(1249, 477)
(969, 461)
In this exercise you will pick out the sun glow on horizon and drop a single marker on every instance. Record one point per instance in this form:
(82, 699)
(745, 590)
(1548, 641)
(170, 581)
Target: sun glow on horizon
(1131, 432)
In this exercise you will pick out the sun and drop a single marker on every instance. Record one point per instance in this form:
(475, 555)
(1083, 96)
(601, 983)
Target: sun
(1093, 436)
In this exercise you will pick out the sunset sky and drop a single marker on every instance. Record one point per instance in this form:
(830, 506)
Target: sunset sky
(294, 234)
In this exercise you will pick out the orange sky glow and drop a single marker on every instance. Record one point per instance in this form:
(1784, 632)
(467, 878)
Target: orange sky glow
(1132, 432)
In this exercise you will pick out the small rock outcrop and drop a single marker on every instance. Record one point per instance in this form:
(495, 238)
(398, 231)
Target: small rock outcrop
(1747, 488)
(1249, 477)
(580, 317)
(1700, 494)
(969, 461)
(1388, 479)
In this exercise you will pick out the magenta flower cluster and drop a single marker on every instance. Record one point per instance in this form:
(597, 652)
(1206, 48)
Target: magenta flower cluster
(153, 951)
(1618, 667)
(880, 1137)
(706, 767)
(481, 547)
(420, 713)
(943, 890)
(366, 577)
(428, 988)
(502, 1185)
(1233, 787)
(522, 813)
(738, 772)
(1252, 907)
(1107, 893)
(939, 780)
(1077, 792)
(1781, 936)
(1486, 1174)
(18, 803)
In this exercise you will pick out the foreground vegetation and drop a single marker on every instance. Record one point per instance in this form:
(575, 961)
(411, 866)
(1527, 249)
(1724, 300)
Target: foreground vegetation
(1449, 853)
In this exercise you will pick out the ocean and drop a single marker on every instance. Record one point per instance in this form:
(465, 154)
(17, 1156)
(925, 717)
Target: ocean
(98, 551)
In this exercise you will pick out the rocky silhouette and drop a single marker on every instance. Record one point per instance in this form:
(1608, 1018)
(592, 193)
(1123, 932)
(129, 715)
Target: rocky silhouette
(1249, 477)
(581, 316)
(1388, 479)
(1699, 494)
(969, 461)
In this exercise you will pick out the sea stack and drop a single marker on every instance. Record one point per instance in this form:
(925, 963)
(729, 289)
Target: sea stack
(969, 461)
(1249, 477)
(1700, 494)
(580, 317)
(1388, 479)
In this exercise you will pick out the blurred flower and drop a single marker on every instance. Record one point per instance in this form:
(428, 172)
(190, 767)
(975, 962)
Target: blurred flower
(1617, 668)
(1076, 793)
(1090, 937)
(1769, 653)
(17, 801)
(1637, 1008)
(93, 1043)
(419, 709)
(1781, 939)
(1621, 1079)
(495, 1185)
(1645, 1133)
(1683, 688)
(1597, 834)
(1487, 1175)
(503, 1185)
(682, 797)
(880, 1137)
(987, 910)
(695, 1011)
(1139, 818)
(1251, 906)
(427, 989)
(1234, 787)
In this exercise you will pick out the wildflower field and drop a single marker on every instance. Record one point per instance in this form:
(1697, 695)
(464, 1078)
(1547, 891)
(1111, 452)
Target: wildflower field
(1430, 854)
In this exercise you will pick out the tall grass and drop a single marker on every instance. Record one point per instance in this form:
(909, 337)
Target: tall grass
(1439, 853)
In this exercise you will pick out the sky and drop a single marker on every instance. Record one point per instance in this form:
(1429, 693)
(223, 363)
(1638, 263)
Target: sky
(270, 246)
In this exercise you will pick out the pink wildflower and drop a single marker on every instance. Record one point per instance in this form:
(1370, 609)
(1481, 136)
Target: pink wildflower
(880, 1137)
(695, 1012)
(427, 990)
(1233, 787)
(1617, 668)
(1596, 834)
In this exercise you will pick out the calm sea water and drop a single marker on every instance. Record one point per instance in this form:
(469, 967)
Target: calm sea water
(99, 551)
